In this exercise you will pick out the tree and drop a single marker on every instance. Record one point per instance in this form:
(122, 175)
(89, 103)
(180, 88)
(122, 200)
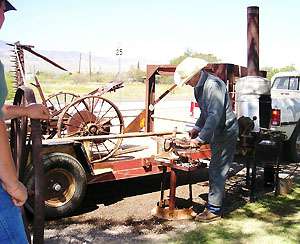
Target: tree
(272, 71)
(189, 53)
(136, 74)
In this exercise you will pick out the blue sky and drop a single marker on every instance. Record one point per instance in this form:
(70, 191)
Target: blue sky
(157, 30)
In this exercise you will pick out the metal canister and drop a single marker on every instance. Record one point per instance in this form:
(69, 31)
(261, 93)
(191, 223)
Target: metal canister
(253, 100)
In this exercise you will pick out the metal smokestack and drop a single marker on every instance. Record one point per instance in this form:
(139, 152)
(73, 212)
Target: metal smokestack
(253, 40)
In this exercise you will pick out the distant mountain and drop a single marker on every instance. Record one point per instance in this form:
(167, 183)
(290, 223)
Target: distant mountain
(70, 61)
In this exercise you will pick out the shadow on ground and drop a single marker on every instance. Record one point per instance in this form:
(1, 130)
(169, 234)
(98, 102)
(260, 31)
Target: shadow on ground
(98, 230)
(108, 193)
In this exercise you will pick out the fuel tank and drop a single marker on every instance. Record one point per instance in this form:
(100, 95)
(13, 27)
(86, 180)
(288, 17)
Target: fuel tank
(253, 100)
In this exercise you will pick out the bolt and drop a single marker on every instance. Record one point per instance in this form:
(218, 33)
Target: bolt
(56, 187)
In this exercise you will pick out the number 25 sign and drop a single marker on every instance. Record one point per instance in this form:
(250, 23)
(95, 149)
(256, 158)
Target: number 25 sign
(119, 51)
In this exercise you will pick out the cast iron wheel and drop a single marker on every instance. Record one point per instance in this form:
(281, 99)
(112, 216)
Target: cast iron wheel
(57, 102)
(19, 138)
(93, 116)
(294, 145)
(65, 185)
(27, 140)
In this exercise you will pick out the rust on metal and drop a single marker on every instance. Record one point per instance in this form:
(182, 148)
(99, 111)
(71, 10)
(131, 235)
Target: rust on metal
(253, 40)
(39, 88)
(17, 58)
(167, 208)
(18, 61)
(145, 119)
(173, 182)
(124, 135)
(20, 142)
(173, 157)
(86, 121)
(29, 49)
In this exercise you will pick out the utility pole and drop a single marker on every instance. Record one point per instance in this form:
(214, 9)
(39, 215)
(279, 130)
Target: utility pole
(119, 53)
(79, 66)
(90, 65)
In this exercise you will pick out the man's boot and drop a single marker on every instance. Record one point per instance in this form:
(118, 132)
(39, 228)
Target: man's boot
(207, 216)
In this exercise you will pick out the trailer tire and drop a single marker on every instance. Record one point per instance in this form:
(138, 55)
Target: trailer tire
(294, 145)
(65, 185)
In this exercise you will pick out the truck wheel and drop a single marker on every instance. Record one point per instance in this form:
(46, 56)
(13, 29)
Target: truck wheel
(65, 185)
(294, 145)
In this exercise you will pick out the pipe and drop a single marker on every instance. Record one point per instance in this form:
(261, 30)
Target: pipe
(253, 40)
(90, 138)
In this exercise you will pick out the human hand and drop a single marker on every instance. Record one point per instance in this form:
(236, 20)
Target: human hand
(193, 133)
(18, 193)
(37, 111)
(195, 143)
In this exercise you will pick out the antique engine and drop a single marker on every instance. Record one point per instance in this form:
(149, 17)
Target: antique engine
(253, 100)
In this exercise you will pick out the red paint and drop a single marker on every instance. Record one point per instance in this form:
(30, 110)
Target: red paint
(125, 169)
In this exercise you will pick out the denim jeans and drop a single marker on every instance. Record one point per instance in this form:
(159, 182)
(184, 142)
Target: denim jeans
(11, 223)
(221, 160)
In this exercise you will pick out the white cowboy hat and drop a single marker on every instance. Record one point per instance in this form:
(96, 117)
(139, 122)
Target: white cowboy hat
(187, 69)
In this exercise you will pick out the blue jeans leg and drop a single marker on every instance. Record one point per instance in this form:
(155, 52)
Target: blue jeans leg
(221, 160)
(11, 223)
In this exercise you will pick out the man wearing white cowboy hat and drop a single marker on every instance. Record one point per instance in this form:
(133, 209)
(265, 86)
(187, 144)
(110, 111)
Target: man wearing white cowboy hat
(217, 125)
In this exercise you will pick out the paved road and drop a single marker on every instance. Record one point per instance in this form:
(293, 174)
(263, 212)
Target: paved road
(173, 110)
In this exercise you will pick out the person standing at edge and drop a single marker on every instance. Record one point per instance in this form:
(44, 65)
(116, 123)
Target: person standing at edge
(13, 193)
(217, 125)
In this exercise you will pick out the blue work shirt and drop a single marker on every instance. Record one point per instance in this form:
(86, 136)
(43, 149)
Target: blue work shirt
(3, 89)
(217, 120)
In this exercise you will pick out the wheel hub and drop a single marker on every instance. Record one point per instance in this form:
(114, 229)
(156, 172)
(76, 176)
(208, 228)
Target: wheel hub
(60, 187)
(92, 129)
(56, 187)
(79, 121)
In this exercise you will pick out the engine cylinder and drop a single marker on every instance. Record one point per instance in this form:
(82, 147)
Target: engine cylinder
(253, 100)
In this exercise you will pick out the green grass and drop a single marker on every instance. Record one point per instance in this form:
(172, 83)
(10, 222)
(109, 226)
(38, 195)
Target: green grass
(269, 220)
(9, 82)
(80, 84)
(130, 91)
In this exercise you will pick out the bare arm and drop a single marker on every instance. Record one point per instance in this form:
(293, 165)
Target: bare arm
(12, 111)
(35, 111)
(8, 174)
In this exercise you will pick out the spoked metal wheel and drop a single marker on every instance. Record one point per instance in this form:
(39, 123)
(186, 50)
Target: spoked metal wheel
(19, 137)
(23, 143)
(93, 116)
(57, 102)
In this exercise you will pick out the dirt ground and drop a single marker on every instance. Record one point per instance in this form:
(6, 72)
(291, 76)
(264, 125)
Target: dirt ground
(120, 212)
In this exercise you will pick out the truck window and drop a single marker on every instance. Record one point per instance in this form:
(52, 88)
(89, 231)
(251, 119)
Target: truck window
(281, 83)
(293, 83)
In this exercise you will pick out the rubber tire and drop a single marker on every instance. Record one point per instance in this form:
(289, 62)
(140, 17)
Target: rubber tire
(66, 162)
(293, 156)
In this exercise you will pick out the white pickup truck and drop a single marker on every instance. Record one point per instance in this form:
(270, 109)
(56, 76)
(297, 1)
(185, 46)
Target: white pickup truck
(284, 89)
(285, 95)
